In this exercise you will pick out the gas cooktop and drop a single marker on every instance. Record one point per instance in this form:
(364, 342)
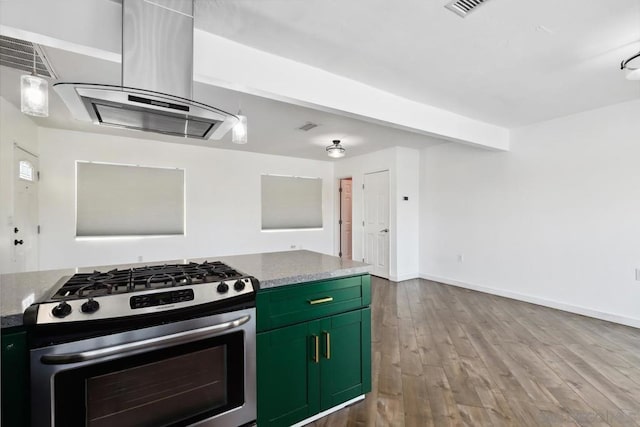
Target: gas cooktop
(137, 291)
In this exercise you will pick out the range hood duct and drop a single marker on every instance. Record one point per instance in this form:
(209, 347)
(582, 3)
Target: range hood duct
(157, 78)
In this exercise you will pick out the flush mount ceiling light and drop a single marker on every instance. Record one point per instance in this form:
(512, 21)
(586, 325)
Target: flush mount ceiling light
(34, 93)
(631, 66)
(336, 150)
(239, 131)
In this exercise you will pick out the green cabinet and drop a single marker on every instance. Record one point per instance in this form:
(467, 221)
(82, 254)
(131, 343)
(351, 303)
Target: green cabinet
(345, 360)
(288, 381)
(313, 365)
(15, 378)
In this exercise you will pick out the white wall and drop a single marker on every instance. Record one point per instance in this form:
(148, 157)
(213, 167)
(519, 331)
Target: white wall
(555, 221)
(407, 216)
(222, 193)
(16, 128)
(402, 164)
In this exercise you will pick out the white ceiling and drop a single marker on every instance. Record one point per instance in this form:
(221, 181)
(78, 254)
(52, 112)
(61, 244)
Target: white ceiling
(510, 62)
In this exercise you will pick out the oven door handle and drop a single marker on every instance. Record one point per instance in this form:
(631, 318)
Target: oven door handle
(147, 345)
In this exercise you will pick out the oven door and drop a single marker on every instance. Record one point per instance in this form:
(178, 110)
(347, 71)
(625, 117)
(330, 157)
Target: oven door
(194, 372)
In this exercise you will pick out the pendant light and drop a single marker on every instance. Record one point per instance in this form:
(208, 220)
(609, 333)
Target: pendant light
(34, 93)
(239, 131)
(631, 66)
(336, 150)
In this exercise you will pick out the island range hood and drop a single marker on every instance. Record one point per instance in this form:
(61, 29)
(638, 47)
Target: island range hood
(157, 78)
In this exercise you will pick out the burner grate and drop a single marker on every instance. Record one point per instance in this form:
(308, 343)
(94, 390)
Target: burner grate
(82, 285)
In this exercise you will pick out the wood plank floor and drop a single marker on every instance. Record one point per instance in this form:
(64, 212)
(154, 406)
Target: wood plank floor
(446, 356)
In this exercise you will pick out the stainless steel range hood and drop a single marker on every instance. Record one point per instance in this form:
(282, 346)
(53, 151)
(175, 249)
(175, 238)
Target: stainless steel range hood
(157, 78)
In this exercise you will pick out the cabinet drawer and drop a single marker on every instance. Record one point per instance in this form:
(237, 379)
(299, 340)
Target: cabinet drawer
(298, 303)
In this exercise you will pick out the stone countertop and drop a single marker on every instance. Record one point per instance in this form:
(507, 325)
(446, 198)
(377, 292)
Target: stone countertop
(272, 269)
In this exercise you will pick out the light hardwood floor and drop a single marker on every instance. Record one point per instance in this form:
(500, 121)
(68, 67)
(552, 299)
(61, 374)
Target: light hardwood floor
(446, 356)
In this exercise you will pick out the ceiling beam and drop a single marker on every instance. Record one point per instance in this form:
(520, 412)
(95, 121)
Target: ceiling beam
(223, 62)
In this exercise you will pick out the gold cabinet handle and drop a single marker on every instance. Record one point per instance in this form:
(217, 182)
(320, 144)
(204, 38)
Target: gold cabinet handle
(320, 301)
(327, 338)
(316, 350)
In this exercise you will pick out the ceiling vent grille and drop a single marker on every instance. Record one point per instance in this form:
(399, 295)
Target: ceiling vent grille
(464, 7)
(308, 126)
(18, 54)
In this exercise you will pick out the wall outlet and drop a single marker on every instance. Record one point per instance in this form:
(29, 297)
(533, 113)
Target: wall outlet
(637, 273)
(460, 258)
(292, 246)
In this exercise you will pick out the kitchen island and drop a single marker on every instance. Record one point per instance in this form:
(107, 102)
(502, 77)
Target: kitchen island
(287, 301)
(272, 269)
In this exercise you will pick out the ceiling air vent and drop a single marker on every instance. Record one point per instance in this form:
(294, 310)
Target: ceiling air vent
(18, 54)
(464, 7)
(308, 126)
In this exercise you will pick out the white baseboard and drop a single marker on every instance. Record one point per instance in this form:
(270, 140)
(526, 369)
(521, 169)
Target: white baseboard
(328, 411)
(610, 317)
(405, 276)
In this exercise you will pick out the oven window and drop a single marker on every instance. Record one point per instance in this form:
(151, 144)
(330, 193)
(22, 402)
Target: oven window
(169, 387)
(177, 387)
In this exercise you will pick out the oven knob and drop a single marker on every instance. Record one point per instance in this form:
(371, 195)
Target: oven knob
(91, 306)
(61, 310)
(223, 287)
(239, 285)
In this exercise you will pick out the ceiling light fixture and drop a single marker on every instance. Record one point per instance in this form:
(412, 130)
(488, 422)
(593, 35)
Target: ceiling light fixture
(631, 66)
(239, 131)
(34, 93)
(335, 150)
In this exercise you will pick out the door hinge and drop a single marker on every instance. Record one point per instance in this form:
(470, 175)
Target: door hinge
(340, 222)
(340, 254)
(363, 186)
(38, 175)
(340, 189)
(363, 223)
(38, 228)
(362, 259)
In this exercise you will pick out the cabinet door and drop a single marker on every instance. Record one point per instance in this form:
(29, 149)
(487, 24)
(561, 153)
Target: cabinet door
(15, 380)
(288, 374)
(345, 371)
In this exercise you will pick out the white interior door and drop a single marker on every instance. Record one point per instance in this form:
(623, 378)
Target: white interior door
(376, 222)
(346, 223)
(24, 227)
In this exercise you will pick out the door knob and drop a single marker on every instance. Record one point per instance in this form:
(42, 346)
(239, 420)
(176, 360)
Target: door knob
(18, 242)
(386, 230)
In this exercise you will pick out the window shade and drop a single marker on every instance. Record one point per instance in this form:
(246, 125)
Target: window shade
(120, 200)
(291, 202)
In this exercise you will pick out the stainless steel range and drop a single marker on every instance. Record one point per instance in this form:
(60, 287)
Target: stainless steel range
(170, 345)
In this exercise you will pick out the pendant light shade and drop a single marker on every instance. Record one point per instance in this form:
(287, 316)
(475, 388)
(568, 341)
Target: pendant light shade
(336, 150)
(631, 67)
(34, 93)
(239, 131)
